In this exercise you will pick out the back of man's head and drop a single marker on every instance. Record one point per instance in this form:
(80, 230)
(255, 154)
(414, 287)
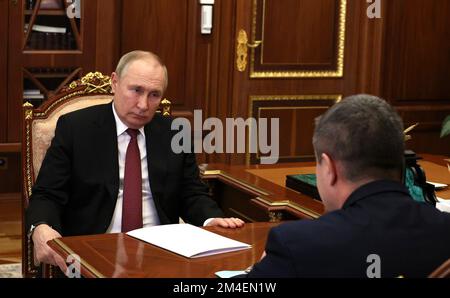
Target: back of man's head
(365, 134)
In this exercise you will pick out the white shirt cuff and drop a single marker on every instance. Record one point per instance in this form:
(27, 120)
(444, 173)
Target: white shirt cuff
(207, 221)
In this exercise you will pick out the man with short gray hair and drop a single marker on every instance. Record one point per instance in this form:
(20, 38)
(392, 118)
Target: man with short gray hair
(110, 168)
(372, 226)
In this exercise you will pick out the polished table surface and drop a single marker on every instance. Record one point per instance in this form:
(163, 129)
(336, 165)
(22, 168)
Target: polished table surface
(119, 255)
(258, 192)
(435, 168)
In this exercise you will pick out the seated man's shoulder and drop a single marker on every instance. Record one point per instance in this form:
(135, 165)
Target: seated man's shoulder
(164, 120)
(92, 111)
(330, 223)
(164, 123)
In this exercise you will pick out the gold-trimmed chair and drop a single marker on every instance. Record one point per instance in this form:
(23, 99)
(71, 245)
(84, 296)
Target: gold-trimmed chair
(38, 130)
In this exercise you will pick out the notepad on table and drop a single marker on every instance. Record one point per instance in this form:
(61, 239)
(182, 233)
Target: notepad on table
(438, 185)
(443, 205)
(187, 240)
(230, 273)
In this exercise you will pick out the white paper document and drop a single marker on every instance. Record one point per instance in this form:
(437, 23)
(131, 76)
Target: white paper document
(443, 205)
(187, 240)
(438, 185)
(229, 274)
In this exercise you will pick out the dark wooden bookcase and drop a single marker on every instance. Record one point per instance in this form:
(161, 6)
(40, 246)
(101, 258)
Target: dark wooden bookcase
(50, 44)
(42, 49)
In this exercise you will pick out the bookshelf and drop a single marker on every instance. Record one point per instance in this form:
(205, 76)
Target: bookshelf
(51, 43)
(50, 27)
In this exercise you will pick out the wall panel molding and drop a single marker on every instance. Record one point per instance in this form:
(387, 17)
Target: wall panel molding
(259, 68)
(296, 113)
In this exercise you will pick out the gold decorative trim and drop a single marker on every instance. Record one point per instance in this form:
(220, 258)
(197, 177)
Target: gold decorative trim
(85, 264)
(165, 105)
(338, 73)
(241, 50)
(95, 82)
(56, 103)
(211, 172)
(292, 205)
(284, 203)
(28, 159)
(28, 117)
(31, 268)
(336, 97)
(275, 216)
(28, 107)
(333, 97)
(290, 108)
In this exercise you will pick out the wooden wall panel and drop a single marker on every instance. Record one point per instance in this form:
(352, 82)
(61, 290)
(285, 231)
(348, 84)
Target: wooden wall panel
(3, 69)
(296, 127)
(171, 29)
(10, 176)
(298, 36)
(425, 137)
(296, 116)
(286, 25)
(108, 33)
(416, 68)
(402, 57)
(163, 28)
(219, 96)
(417, 47)
(338, 75)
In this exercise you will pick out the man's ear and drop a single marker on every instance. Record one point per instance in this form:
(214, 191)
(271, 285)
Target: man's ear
(114, 78)
(330, 168)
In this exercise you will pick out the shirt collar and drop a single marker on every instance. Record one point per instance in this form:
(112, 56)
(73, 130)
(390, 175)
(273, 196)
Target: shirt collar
(120, 126)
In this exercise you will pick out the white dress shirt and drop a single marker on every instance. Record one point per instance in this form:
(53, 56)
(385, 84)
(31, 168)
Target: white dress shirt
(149, 214)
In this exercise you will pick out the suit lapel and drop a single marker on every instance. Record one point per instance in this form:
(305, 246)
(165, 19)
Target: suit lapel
(105, 144)
(157, 149)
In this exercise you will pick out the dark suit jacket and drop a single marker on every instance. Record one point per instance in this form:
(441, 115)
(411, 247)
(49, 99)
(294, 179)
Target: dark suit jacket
(380, 218)
(77, 186)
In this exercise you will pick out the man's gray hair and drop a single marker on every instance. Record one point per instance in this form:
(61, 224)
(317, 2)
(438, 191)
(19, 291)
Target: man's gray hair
(365, 134)
(130, 57)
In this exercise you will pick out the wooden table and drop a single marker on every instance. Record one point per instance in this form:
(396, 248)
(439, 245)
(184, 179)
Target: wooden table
(119, 255)
(255, 193)
(258, 193)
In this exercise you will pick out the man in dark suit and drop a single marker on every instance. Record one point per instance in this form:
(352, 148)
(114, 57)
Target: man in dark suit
(110, 168)
(372, 226)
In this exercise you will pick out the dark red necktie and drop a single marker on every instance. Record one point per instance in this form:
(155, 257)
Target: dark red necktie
(132, 186)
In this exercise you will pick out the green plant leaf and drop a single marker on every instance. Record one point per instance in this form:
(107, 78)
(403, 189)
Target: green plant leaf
(445, 127)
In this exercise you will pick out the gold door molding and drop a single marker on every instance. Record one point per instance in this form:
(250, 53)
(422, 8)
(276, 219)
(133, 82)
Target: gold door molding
(291, 102)
(338, 72)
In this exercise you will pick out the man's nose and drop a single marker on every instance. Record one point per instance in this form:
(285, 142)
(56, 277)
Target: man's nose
(142, 103)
